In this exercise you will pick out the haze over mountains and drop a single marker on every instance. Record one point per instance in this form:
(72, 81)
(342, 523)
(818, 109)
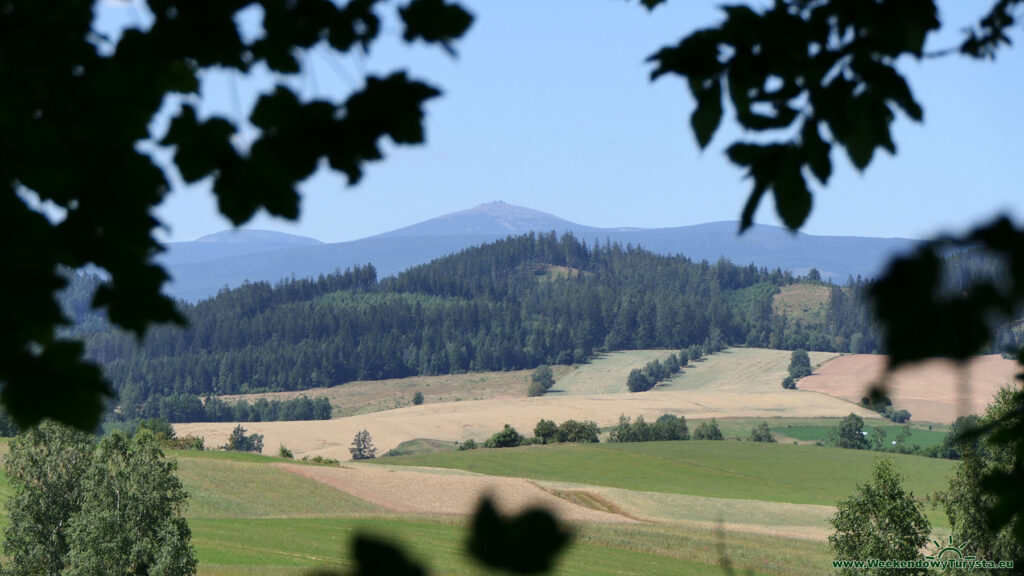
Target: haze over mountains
(202, 267)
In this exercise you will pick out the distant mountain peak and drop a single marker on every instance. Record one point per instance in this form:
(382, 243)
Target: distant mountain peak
(497, 218)
(258, 237)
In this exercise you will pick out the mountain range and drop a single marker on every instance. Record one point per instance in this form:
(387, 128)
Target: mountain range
(202, 267)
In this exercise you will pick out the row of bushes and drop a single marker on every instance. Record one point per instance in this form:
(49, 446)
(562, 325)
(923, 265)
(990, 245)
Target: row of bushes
(666, 427)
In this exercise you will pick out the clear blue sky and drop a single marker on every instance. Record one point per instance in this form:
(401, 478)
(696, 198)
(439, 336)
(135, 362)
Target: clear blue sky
(549, 106)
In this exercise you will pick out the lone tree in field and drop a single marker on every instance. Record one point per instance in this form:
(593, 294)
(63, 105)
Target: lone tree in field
(362, 446)
(882, 521)
(850, 433)
(799, 364)
(417, 398)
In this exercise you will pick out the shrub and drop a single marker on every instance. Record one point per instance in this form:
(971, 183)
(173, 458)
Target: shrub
(187, 442)
(545, 430)
(708, 431)
(536, 389)
(576, 431)
(761, 433)
(284, 452)
(638, 381)
(239, 442)
(670, 427)
(543, 376)
(321, 461)
(417, 398)
(508, 437)
(468, 445)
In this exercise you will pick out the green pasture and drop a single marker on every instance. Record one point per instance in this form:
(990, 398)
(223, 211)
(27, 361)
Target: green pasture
(294, 545)
(918, 437)
(723, 469)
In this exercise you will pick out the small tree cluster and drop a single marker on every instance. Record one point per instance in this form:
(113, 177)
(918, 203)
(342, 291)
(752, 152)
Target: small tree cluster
(708, 431)
(761, 433)
(655, 371)
(579, 432)
(362, 447)
(508, 437)
(883, 406)
(541, 381)
(240, 442)
(163, 432)
(569, 431)
(665, 428)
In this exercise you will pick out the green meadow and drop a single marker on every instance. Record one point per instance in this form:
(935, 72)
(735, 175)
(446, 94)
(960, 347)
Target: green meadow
(724, 469)
(918, 436)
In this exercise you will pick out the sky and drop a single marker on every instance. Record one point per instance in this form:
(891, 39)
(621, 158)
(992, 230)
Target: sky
(549, 105)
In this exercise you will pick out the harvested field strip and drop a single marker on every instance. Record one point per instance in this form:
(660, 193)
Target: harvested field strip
(740, 370)
(605, 374)
(415, 492)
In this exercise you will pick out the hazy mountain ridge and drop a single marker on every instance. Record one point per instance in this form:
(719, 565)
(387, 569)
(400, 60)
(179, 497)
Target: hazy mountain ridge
(202, 267)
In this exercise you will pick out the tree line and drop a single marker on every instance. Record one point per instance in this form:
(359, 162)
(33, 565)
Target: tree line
(185, 407)
(485, 308)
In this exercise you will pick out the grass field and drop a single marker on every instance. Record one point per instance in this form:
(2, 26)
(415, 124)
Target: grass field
(918, 437)
(805, 302)
(729, 469)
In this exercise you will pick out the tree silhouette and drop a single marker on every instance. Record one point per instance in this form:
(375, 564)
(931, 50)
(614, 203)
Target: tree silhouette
(74, 107)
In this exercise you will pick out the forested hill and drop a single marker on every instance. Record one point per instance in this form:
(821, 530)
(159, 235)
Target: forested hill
(511, 304)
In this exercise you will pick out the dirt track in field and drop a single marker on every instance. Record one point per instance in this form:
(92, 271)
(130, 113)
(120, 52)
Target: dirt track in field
(932, 391)
(443, 492)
